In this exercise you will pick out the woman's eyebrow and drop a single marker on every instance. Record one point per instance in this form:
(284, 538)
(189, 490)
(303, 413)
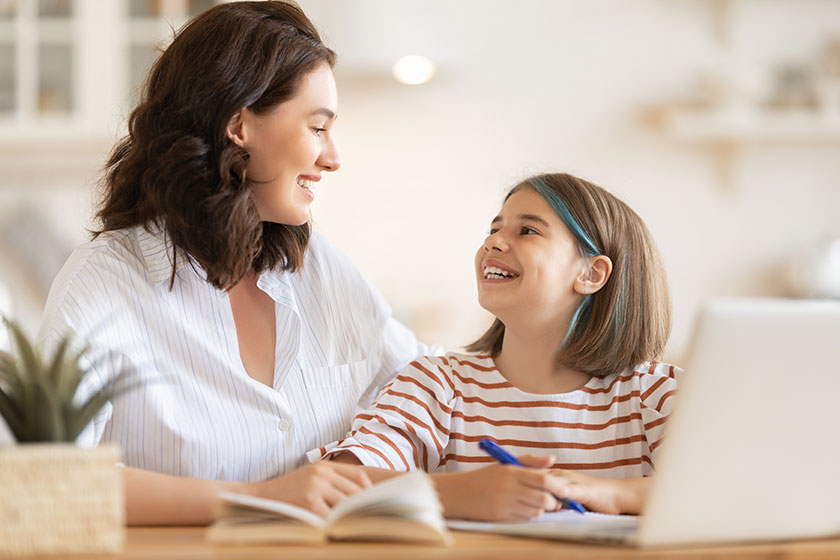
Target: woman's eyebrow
(324, 111)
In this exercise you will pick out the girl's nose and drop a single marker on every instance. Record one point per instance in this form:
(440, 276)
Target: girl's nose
(495, 242)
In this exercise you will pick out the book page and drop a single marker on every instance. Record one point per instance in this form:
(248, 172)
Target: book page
(242, 505)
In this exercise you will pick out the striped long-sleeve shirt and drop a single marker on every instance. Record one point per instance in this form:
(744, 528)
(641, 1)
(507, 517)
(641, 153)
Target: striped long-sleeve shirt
(197, 412)
(434, 413)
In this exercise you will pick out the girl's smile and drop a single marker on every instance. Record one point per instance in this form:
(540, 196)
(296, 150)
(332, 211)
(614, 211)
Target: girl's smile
(528, 263)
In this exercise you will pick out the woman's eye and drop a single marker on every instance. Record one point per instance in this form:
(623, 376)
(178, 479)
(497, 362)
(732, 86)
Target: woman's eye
(318, 131)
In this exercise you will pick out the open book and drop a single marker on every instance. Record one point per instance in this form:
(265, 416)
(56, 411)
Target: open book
(402, 508)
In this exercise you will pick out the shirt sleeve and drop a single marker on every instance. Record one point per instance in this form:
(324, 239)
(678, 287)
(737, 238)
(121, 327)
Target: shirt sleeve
(407, 427)
(77, 310)
(658, 391)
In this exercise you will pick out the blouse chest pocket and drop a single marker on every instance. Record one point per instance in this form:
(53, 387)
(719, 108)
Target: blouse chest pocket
(334, 391)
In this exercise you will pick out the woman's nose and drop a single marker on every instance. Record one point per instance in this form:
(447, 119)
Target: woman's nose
(329, 159)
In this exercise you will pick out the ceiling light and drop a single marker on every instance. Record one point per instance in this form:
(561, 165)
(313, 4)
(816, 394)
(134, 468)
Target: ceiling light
(413, 70)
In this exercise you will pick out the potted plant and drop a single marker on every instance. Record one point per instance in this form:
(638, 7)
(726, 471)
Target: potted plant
(55, 497)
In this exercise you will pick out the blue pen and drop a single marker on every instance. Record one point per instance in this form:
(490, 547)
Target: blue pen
(502, 456)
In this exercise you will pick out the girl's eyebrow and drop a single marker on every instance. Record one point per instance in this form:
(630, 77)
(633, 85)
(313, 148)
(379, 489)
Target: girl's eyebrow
(524, 218)
(533, 218)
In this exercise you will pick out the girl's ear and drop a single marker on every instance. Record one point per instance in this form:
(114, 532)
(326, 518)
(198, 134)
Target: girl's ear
(236, 129)
(595, 276)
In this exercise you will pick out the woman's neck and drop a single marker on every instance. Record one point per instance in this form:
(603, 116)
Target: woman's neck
(529, 362)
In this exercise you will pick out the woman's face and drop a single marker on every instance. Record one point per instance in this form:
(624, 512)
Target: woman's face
(289, 147)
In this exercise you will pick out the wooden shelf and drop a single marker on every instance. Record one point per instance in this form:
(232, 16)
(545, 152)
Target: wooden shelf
(743, 125)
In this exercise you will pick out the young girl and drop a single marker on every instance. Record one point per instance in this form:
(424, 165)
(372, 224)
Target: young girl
(565, 377)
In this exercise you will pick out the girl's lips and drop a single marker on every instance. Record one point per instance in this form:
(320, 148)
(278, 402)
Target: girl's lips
(492, 271)
(488, 263)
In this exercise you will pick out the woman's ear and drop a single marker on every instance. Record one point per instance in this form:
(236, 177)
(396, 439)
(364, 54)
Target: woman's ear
(236, 129)
(595, 276)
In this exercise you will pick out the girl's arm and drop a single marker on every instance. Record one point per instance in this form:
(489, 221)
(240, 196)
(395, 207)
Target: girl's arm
(158, 499)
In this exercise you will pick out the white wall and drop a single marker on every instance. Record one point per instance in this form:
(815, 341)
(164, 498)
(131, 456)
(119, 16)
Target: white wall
(547, 85)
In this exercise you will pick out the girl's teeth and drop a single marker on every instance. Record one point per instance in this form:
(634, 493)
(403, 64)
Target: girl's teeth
(496, 273)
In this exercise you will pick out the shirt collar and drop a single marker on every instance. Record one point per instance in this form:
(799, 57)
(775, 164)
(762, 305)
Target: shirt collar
(157, 250)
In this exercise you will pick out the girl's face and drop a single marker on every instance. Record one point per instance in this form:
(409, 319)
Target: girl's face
(529, 263)
(290, 147)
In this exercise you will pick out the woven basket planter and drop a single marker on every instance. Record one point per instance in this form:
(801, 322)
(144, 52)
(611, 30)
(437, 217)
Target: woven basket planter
(58, 498)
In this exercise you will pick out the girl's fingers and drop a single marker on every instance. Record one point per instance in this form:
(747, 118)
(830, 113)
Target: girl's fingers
(537, 461)
(537, 499)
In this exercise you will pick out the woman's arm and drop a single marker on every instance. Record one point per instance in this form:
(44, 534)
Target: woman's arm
(158, 499)
(492, 493)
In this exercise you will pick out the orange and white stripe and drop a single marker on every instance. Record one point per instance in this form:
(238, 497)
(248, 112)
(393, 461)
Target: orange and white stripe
(434, 413)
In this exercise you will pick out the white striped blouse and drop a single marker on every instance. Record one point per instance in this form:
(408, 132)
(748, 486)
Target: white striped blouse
(435, 412)
(197, 412)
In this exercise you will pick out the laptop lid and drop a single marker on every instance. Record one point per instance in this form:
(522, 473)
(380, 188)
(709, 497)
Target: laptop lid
(752, 449)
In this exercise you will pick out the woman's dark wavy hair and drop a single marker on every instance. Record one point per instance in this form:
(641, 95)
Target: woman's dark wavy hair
(177, 170)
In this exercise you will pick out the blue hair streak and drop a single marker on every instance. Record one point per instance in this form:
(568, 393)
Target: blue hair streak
(586, 246)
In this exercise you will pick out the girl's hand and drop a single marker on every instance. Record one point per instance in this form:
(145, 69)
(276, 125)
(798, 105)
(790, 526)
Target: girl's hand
(317, 487)
(500, 492)
(604, 495)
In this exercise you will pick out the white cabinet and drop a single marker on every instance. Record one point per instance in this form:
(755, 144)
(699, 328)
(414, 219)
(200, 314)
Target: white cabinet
(71, 69)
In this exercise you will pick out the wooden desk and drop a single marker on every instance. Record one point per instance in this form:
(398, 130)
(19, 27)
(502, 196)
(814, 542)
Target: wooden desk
(188, 542)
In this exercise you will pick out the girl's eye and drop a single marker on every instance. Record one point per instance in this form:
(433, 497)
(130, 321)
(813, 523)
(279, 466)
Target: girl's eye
(492, 231)
(528, 231)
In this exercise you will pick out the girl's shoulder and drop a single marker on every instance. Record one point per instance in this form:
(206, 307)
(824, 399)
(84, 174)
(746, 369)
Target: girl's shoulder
(655, 383)
(643, 380)
(453, 369)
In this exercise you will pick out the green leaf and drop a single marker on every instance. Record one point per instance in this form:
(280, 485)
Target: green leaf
(58, 362)
(49, 420)
(81, 417)
(11, 413)
(9, 372)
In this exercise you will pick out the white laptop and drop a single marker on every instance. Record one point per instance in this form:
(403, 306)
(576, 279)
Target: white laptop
(752, 449)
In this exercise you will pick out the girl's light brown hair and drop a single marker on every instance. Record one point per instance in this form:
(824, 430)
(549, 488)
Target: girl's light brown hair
(178, 170)
(628, 320)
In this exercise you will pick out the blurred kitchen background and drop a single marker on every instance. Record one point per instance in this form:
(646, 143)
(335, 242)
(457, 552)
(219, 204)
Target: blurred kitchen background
(717, 120)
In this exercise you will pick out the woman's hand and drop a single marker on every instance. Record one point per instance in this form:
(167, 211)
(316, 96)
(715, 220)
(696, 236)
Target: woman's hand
(604, 495)
(500, 492)
(317, 487)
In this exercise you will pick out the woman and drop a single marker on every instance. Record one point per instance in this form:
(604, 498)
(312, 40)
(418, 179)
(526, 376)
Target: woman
(252, 337)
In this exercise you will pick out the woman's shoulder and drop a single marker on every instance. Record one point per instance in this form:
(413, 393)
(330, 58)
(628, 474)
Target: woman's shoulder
(122, 252)
(106, 267)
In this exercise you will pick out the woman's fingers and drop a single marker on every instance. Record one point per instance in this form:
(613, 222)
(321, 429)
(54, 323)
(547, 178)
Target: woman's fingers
(352, 473)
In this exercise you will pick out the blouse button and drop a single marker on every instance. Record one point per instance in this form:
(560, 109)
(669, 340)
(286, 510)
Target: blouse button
(284, 425)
